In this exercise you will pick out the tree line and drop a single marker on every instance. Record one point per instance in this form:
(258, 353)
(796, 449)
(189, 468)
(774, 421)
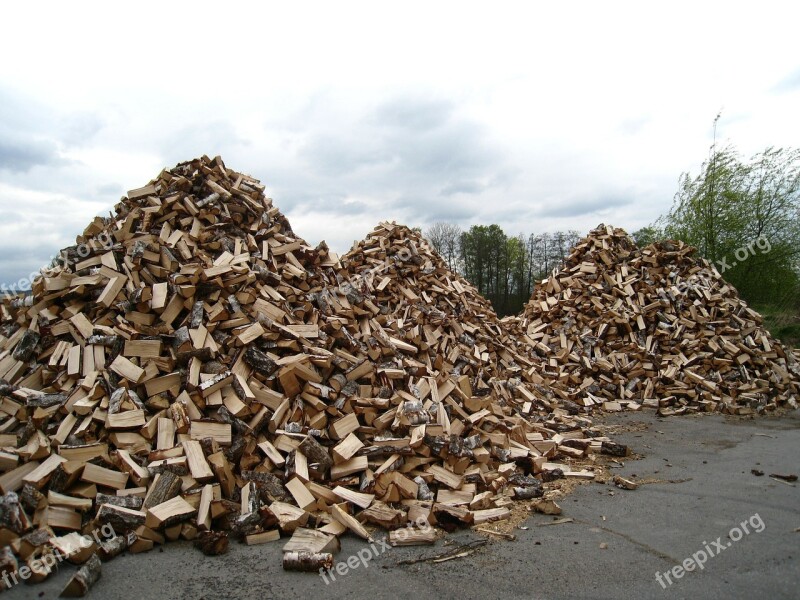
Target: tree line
(504, 268)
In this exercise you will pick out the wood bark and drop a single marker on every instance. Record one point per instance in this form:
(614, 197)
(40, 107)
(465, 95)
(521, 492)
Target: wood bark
(307, 561)
(80, 583)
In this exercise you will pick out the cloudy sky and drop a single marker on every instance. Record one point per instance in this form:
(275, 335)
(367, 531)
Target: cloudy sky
(536, 117)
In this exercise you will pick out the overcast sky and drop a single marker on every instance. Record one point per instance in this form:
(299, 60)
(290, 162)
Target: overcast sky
(536, 117)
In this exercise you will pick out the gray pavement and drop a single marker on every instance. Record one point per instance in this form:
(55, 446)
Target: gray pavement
(646, 531)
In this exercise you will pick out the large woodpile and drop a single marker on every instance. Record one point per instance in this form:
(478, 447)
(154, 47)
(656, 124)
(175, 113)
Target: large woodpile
(622, 327)
(193, 369)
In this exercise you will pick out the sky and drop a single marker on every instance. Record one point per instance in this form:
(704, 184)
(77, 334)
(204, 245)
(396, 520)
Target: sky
(538, 117)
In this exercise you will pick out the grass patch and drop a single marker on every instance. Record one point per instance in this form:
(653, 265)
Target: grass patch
(782, 323)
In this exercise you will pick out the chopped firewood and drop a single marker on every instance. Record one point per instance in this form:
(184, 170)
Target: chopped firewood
(526, 493)
(38, 477)
(490, 514)
(219, 432)
(204, 508)
(8, 461)
(482, 501)
(623, 483)
(80, 583)
(408, 536)
(125, 368)
(272, 453)
(169, 512)
(109, 549)
(40, 566)
(454, 498)
(316, 454)
(614, 449)
(547, 507)
(354, 465)
(334, 528)
(143, 545)
(74, 547)
(617, 306)
(310, 540)
(131, 419)
(262, 538)
(198, 465)
(104, 477)
(60, 517)
(121, 519)
(345, 449)
(384, 515)
(446, 477)
(8, 563)
(165, 486)
(357, 498)
(342, 427)
(13, 480)
(289, 517)
(351, 523)
(212, 543)
(307, 561)
(301, 495)
(450, 517)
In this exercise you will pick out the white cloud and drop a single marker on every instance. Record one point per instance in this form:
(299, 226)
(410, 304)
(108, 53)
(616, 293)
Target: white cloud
(34, 226)
(536, 117)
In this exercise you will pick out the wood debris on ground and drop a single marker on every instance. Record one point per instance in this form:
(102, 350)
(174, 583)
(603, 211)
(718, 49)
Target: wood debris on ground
(620, 327)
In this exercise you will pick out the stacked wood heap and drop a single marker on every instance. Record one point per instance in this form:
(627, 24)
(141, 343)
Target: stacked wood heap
(192, 369)
(620, 327)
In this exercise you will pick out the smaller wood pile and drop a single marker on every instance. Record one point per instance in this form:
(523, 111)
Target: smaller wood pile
(620, 327)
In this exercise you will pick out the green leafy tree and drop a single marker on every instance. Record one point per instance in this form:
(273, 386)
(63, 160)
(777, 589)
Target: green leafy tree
(647, 235)
(706, 209)
(484, 254)
(518, 292)
(744, 217)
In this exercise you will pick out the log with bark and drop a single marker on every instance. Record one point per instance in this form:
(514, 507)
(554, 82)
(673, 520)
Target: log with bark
(82, 581)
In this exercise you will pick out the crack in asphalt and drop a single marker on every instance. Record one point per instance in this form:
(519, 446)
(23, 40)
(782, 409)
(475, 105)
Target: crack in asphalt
(649, 549)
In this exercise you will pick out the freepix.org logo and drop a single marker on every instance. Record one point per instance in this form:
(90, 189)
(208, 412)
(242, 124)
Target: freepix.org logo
(743, 253)
(699, 559)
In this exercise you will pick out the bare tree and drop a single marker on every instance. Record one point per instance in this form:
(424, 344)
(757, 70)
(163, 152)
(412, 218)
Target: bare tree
(446, 239)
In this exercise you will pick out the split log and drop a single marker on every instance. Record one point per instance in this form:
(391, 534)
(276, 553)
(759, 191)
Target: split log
(311, 541)
(212, 543)
(12, 515)
(121, 519)
(165, 486)
(80, 583)
(317, 455)
(407, 536)
(307, 561)
(112, 548)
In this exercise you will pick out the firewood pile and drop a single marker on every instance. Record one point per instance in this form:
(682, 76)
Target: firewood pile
(619, 327)
(191, 369)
